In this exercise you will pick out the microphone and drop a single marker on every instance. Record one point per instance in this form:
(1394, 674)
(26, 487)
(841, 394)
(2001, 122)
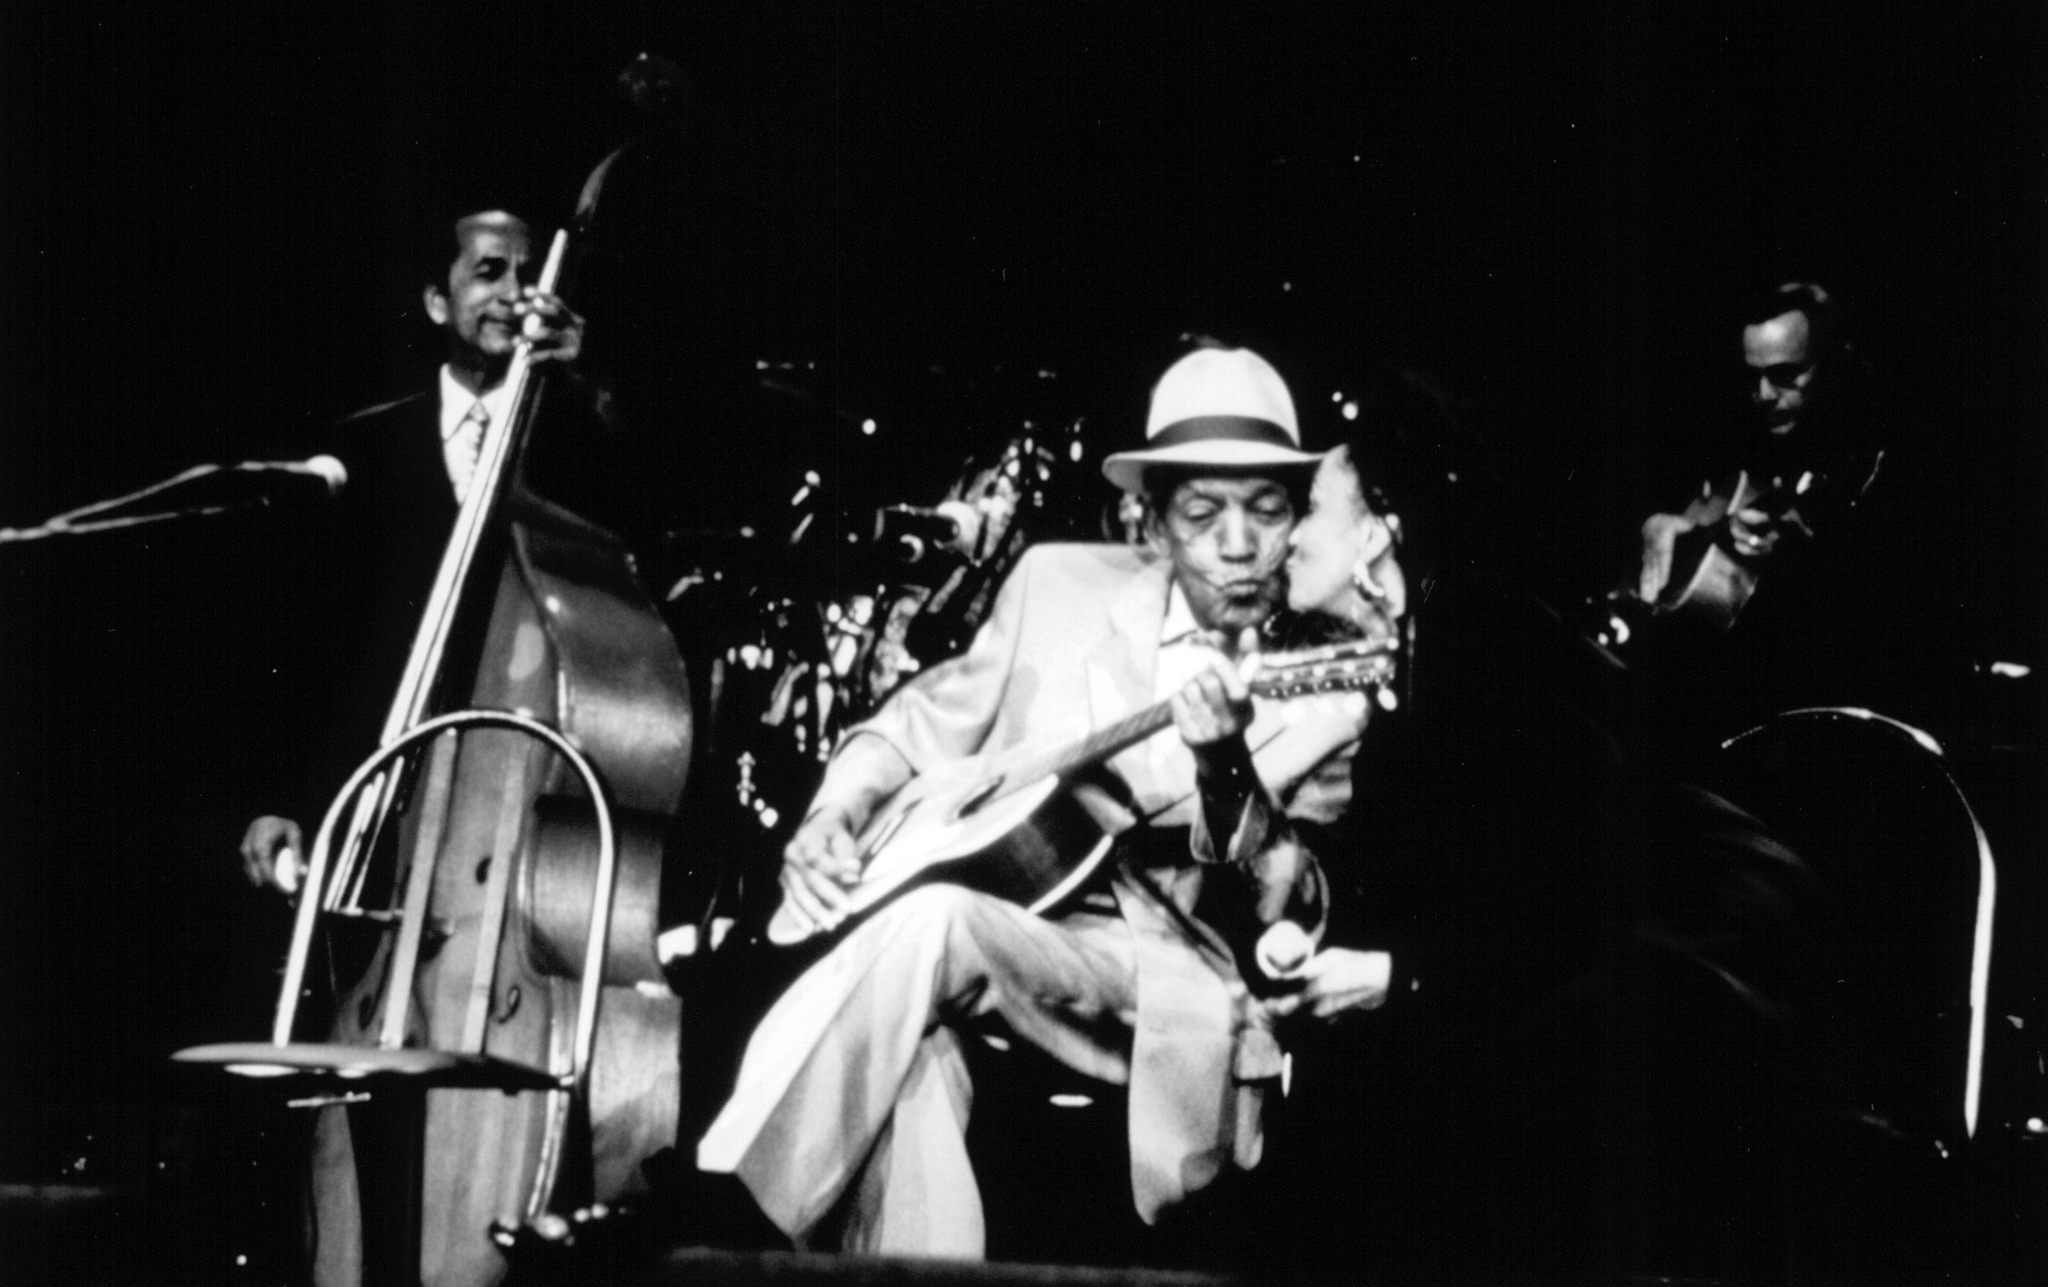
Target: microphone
(913, 532)
(199, 491)
(1283, 949)
(294, 479)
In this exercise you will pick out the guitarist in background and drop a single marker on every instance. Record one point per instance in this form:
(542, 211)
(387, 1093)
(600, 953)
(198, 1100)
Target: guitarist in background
(848, 1122)
(1804, 461)
(1802, 577)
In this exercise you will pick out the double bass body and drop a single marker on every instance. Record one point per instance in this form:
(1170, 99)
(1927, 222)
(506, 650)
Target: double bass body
(505, 829)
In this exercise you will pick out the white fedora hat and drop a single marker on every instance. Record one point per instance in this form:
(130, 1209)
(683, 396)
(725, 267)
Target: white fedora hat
(1216, 408)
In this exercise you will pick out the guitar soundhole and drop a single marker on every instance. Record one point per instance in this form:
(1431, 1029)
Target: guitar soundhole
(984, 793)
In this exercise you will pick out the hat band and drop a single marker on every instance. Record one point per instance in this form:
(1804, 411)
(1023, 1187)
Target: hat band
(1213, 428)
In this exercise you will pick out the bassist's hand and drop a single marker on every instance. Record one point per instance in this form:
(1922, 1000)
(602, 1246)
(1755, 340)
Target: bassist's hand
(273, 854)
(820, 863)
(555, 329)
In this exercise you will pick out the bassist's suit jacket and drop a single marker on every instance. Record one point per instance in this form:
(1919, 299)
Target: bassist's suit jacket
(377, 550)
(853, 1085)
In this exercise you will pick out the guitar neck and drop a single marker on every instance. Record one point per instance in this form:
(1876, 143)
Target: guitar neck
(1321, 669)
(1099, 745)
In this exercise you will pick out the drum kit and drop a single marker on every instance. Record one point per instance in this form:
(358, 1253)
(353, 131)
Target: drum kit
(796, 635)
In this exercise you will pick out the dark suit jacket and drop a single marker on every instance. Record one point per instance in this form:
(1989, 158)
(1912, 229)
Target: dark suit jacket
(370, 564)
(364, 569)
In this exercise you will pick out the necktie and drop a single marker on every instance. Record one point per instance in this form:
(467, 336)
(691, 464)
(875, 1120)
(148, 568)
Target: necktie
(464, 445)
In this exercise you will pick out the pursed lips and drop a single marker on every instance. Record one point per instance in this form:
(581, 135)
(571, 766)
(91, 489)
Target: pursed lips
(1242, 589)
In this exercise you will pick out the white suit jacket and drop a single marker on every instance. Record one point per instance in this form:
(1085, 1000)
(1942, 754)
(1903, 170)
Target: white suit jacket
(1070, 647)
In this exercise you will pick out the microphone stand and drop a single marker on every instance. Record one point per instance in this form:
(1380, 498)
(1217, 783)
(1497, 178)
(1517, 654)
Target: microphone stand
(96, 517)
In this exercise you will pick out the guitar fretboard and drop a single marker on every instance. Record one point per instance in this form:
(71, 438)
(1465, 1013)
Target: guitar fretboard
(1107, 741)
(1337, 666)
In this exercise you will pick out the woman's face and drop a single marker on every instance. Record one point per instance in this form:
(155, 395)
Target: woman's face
(1330, 543)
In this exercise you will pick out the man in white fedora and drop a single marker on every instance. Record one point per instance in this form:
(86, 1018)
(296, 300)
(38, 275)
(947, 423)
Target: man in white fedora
(849, 1118)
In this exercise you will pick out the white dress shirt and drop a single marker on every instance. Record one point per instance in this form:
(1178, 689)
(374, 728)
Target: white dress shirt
(455, 404)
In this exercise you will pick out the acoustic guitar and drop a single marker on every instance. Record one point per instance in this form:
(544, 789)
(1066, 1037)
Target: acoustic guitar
(1709, 582)
(1007, 825)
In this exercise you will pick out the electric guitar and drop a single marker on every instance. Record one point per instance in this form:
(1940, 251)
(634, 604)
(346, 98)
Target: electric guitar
(1006, 825)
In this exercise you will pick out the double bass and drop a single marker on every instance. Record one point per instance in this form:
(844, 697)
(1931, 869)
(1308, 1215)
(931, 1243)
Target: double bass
(482, 895)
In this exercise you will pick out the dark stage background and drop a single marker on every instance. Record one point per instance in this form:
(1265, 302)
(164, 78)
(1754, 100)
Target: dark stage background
(1550, 209)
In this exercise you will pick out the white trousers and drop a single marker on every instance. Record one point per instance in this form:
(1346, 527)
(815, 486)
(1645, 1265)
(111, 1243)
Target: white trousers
(853, 1080)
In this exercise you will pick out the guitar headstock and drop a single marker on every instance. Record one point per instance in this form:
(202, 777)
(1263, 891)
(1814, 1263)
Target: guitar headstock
(1356, 665)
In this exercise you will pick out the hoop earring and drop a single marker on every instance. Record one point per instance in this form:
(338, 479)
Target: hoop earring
(1361, 581)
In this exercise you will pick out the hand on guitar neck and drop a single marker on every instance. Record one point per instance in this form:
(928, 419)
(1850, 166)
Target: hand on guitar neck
(876, 827)
(1706, 560)
(1215, 704)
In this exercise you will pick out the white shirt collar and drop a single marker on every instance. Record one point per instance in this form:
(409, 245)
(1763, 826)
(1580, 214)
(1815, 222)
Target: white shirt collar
(456, 402)
(1175, 667)
(1180, 618)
